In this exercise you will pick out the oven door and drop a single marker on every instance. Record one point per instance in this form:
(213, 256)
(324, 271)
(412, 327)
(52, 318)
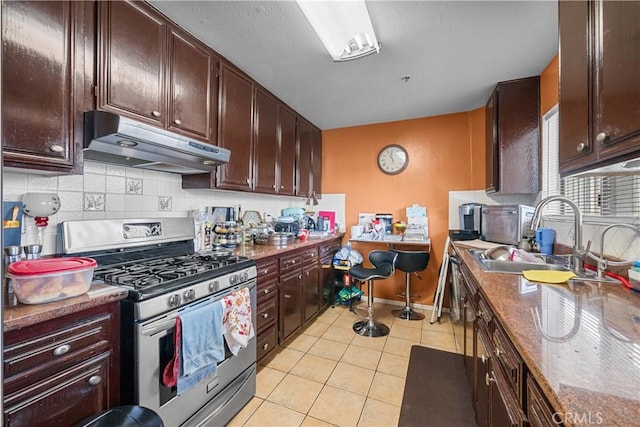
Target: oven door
(154, 348)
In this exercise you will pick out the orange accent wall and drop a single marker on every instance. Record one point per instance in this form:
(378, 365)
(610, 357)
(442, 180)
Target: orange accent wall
(441, 154)
(549, 86)
(446, 153)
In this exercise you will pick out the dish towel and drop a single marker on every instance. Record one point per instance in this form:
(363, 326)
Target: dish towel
(237, 326)
(198, 347)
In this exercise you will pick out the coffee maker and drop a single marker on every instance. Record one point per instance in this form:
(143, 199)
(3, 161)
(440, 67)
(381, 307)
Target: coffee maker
(470, 215)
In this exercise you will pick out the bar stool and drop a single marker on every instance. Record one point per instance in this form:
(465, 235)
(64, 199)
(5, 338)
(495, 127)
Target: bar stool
(383, 268)
(410, 262)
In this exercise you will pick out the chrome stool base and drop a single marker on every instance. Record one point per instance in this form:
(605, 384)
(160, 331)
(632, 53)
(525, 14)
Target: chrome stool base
(407, 314)
(370, 328)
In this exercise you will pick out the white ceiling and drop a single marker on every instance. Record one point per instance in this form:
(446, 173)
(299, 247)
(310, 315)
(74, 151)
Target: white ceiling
(454, 52)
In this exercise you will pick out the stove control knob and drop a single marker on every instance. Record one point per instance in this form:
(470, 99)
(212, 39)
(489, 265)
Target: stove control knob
(214, 286)
(233, 279)
(174, 300)
(245, 276)
(189, 295)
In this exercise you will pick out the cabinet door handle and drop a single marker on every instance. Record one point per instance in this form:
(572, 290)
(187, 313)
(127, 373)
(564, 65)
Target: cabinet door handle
(282, 187)
(484, 359)
(63, 349)
(273, 186)
(287, 296)
(265, 346)
(580, 148)
(499, 352)
(56, 148)
(265, 315)
(489, 378)
(266, 291)
(155, 113)
(177, 122)
(95, 380)
(602, 137)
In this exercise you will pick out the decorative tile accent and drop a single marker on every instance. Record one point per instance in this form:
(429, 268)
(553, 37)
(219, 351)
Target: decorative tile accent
(93, 201)
(134, 186)
(164, 203)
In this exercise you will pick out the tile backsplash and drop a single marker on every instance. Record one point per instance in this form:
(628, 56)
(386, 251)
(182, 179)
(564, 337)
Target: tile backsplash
(108, 191)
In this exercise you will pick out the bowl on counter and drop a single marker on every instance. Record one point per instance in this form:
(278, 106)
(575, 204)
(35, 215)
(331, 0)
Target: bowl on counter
(40, 281)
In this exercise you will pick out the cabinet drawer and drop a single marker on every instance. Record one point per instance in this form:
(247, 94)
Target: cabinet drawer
(54, 348)
(328, 249)
(267, 313)
(310, 256)
(539, 411)
(484, 312)
(266, 269)
(507, 357)
(267, 341)
(268, 290)
(63, 399)
(290, 262)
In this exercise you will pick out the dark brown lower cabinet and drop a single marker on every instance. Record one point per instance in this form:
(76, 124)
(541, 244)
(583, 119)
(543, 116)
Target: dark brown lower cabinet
(311, 283)
(290, 304)
(64, 370)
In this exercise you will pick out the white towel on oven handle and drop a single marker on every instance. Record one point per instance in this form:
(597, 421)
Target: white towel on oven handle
(237, 326)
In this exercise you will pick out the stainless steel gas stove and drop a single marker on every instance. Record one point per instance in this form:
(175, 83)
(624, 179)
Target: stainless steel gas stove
(154, 259)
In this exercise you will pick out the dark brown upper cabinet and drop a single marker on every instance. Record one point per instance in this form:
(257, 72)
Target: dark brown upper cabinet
(513, 137)
(47, 71)
(305, 141)
(235, 129)
(316, 162)
(152, 71)
(267, 144)
(599, 84)
(286, 165)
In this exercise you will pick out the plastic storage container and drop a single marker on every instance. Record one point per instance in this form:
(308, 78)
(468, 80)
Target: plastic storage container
(52, 279)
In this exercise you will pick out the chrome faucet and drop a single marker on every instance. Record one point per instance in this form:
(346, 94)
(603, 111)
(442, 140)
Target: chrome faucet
(603, 263)
(578, 263)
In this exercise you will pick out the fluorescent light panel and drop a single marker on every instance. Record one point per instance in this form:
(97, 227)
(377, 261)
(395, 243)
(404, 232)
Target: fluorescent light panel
(344, 27)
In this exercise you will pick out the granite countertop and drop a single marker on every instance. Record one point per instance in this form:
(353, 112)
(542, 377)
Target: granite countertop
(580, 341)
(21, 315)
(258, 252)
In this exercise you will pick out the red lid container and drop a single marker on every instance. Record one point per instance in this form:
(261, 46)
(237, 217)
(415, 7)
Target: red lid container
(39, 281)
(35, 267)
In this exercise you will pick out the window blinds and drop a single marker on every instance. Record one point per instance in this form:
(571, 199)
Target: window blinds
(616, 195)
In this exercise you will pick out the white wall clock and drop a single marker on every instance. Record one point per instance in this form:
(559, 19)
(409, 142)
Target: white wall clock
(393, 159)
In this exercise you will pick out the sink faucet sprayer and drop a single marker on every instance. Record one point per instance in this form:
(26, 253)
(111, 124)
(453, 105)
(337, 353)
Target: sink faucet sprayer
(604, 263)
(578, 263)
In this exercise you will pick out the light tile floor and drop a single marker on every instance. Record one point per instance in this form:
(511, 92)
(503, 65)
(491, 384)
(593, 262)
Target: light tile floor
(327, 375)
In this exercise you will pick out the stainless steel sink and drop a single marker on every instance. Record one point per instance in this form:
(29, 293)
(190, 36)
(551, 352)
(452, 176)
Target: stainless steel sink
(548, 262)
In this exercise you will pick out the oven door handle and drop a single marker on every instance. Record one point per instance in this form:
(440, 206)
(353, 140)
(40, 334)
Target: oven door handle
(156, 328)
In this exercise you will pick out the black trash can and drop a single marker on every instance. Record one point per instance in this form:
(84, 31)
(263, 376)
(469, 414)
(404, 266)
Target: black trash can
(124, 416)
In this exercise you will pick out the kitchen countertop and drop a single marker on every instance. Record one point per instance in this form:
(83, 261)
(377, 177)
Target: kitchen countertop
(585, 349)
(258, 252)
(21, 315)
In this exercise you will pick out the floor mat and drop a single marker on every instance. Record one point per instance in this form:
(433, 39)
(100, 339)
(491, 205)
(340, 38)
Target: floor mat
(436, 392)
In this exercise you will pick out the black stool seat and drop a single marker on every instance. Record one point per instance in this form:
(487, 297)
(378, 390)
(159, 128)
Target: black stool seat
(410, 262)
(124, 416)
(383, 271)
(383, 268)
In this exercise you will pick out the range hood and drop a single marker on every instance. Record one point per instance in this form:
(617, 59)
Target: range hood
(115, 139)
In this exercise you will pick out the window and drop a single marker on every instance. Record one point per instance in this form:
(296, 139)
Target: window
(613, 195)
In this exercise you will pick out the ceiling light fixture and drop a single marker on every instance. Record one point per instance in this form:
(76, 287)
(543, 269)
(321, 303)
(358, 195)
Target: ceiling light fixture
(344, 27)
